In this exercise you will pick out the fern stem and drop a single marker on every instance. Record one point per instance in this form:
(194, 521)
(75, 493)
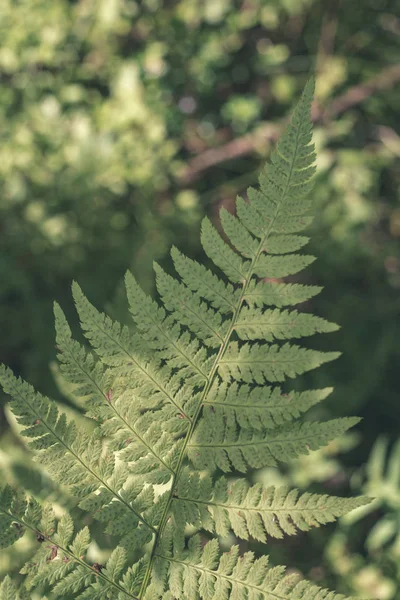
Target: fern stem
(207, 388)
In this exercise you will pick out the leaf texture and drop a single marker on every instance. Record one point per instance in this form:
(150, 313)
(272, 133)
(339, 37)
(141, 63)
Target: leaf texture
(79, 462)
(270, 325)
(269, 363)
(254, 511)
(216, 444)
(60, 559)
(229, 576)
(260, 407)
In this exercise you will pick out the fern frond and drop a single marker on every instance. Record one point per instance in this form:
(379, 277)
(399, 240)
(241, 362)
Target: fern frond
(255, 363)
(281, 266)
(260, 407)
(60, 558)
(194, 572)
(221, 295)
(78, 461)
(81, 368)
(238, 235)
(187, 308)
(233, 266)
(186, 393)
(253, 511)
(122, 420)
(254, 324)
(9, 591)
(165, 336)
(118, 346)
(218, 444)
(259, 294)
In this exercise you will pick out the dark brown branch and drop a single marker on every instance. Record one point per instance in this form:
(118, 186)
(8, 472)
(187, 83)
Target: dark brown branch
(358, 93)
(326, 44)
(269, 132)
(233, 149)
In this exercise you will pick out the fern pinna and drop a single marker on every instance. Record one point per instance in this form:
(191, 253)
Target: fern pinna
(192, 393)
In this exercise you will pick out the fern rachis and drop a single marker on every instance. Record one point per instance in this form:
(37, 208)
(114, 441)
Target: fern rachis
(181, 398)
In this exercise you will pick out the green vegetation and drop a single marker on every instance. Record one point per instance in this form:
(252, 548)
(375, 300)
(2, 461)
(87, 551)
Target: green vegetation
(123, 124)
(162, 386)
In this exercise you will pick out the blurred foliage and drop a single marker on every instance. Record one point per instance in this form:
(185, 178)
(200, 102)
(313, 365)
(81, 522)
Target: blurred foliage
(377, 570)
(108, 107)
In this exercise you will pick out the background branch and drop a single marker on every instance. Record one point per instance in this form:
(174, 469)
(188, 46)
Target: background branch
(269, 133)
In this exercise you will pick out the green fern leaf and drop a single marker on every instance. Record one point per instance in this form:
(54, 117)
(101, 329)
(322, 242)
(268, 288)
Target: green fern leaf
(254, 324)
(197, 278)
(188, 309)
(282, 266)
(163, 334)
(60, 559)
(234, 267)
(254, 363)
(229, 576)
(80, 368)
(76, 460)
(117, 346)
(9, 591)
(260, 407)
(189, 391)
(254, 511)
(278, 294)
(218, 444)
(126, 426)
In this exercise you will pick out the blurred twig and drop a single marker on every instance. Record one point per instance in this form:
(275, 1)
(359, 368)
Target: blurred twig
(356, 94)
(233, 149)
(269, 132)
(327, 37)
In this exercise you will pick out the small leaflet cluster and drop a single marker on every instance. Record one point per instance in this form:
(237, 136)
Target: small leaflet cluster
(176, 403)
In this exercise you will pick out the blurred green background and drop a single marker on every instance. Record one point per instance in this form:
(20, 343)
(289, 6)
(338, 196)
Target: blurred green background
(124, 122)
